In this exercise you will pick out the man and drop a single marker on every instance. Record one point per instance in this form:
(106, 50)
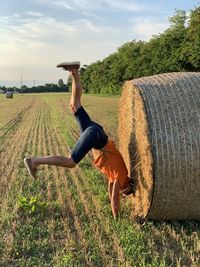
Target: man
(106, 156)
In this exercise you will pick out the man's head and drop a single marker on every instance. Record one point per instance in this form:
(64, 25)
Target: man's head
(129, 189)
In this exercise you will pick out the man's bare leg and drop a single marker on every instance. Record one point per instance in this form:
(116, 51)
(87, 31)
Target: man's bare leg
(75, 102)
(32, 163)
(53, 160)
(73, 68)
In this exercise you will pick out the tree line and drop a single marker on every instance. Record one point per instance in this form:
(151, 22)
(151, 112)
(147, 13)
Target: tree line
(48, 87)
(176, 49)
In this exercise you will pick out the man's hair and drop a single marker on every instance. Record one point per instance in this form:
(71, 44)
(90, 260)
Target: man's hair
(130, 188)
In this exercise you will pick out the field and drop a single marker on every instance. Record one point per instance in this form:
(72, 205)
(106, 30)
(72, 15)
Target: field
(64, 218)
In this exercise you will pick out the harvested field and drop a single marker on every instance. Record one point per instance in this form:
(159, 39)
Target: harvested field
(159, 138)
(64, 218)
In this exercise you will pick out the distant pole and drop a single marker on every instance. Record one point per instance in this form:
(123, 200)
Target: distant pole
(34, 83)
(21, 85)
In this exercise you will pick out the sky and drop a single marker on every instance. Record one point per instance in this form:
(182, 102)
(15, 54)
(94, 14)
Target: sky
(36, 35)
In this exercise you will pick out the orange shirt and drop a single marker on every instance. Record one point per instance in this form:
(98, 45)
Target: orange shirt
(111, 163)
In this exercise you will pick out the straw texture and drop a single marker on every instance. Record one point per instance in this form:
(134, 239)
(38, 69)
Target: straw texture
(159, 137)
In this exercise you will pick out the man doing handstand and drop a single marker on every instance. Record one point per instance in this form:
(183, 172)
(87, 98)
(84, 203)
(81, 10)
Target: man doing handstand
(106, 156)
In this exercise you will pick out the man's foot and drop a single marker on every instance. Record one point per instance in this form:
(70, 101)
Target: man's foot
(69, 65)
(31, 170)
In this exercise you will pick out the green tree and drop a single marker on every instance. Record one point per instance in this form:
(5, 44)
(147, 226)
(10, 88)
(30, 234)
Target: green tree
(69, 83)
(191, 50)
(166, 48)
(60, 83)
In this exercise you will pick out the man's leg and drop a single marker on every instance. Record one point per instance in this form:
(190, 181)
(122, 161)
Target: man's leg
(75, 104)
(53, 160)
(32, 163)
(82, 117)
(73, 68)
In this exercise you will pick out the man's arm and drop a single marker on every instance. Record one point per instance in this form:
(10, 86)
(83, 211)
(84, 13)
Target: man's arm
(110, 189)
(115, 200)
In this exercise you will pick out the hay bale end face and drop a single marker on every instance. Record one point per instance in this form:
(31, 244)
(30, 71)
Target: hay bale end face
(159, 138)
(9, 94)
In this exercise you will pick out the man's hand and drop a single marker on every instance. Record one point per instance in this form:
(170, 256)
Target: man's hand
(115, 199)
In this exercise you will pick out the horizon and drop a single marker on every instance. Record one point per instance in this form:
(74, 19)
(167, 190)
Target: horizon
(38, 34)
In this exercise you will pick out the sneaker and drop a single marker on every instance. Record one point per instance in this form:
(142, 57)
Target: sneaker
(32, 171)
(69, 65)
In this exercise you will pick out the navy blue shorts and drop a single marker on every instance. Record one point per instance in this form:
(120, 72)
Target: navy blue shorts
(92, 135)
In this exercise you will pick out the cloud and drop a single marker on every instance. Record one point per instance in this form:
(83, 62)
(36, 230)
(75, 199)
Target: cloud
(62, 4)
(70, 4)
(82, 5)
(125, 5)
(34, 14)
(144, 27)
(33, 45)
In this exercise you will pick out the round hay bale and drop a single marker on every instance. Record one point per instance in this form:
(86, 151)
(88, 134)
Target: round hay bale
(9, 94)
(159, 138)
